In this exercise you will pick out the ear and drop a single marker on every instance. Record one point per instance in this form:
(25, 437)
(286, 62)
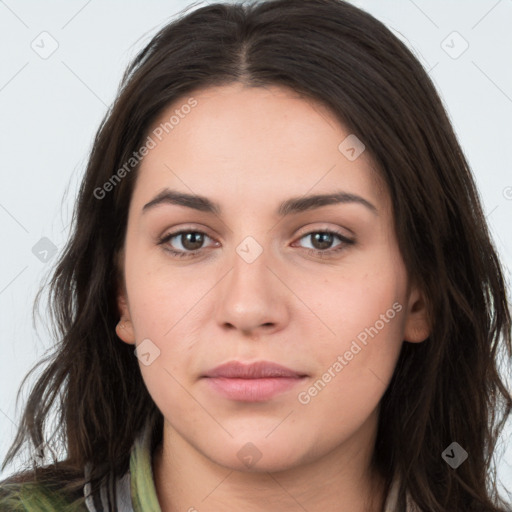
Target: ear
(417, 325)
(124, 328)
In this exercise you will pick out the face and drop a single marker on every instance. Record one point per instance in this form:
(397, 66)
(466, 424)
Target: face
(321, 290)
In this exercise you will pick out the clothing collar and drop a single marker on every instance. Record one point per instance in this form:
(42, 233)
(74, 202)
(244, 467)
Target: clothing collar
(142, 487)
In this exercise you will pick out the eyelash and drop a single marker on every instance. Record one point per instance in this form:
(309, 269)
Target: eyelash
(315, 252)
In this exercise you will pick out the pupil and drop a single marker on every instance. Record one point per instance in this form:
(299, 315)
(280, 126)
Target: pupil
(191, 239)
(324, 239)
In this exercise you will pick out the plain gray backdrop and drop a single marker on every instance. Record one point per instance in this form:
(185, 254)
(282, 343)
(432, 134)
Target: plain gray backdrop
(61, 66)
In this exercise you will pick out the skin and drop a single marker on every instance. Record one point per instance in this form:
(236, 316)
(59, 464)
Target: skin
(249, 149)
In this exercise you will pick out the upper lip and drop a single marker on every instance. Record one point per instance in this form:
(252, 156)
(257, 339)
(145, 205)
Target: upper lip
(256, 370)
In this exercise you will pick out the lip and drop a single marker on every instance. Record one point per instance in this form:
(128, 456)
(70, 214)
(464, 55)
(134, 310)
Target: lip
(254, 382)
(256, 370)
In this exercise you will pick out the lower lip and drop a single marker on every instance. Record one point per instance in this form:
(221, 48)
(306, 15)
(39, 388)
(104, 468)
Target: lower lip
(252, 390)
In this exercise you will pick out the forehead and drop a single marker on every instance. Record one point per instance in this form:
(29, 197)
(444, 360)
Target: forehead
(260, 142)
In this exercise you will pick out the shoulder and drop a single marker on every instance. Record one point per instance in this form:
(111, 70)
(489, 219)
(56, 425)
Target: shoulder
(21, 493)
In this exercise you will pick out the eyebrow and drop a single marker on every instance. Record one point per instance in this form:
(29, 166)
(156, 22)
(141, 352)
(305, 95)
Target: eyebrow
(288, 207)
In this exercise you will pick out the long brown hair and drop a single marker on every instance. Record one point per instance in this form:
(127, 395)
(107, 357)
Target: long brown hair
(445, 389)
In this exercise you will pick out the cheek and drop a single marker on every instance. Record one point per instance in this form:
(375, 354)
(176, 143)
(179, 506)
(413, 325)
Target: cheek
(161, 312)
(363, 302)
(160, 295)
(365, 313)
(354, 372)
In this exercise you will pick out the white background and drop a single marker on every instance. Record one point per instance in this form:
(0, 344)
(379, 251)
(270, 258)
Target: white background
(50, 110)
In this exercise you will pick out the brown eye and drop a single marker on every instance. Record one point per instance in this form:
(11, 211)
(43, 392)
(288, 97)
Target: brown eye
(192, 240)
(322, 242)
(184, 243)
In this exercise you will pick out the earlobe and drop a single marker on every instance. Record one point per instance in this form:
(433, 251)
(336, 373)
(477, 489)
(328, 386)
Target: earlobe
(417, 328)
(124, 328)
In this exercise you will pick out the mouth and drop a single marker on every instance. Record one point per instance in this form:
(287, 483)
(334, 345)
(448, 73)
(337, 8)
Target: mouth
(255, 382)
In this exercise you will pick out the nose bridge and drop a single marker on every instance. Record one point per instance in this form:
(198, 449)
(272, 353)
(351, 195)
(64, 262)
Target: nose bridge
(250, 266)
(251, 294)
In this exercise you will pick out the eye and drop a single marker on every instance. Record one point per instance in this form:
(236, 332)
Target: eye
(192, 241)
(322, 241)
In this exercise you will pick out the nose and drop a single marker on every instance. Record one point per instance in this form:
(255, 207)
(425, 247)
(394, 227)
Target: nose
(252, 298)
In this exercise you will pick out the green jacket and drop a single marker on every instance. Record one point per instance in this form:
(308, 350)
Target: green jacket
(136, 491)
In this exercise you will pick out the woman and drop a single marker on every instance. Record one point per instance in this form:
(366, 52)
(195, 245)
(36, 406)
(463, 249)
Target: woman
(209, 359)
